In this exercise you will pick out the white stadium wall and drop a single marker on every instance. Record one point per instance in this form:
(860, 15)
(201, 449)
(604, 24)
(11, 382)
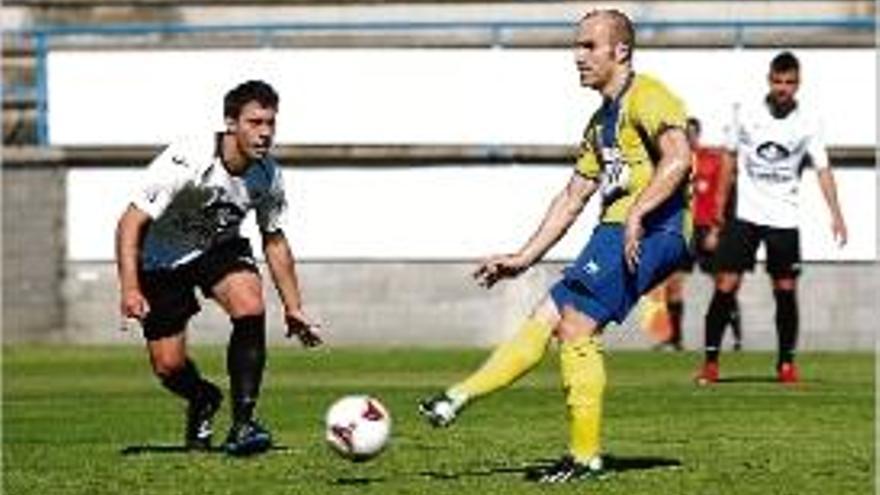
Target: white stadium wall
(410, 96)
(463, 96)
(437, 213)
(423, 226)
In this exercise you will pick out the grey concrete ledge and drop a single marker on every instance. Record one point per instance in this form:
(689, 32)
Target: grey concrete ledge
(382, 155)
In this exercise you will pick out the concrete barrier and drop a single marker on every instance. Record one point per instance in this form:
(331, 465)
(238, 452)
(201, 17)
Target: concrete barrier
(437, 304)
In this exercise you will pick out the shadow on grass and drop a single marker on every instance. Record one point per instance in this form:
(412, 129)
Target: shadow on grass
(181, 449)
(358, 481)
(748, 379)
(613, 465)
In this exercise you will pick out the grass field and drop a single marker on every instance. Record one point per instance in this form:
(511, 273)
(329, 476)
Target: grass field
(94, 421)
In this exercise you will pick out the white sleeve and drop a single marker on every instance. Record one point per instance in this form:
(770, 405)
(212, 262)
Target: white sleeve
(816, 146)
(162, 179)
(272, 212)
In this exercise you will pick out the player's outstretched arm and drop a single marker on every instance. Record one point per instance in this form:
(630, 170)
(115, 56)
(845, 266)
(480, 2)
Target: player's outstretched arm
(283, 269)
(673, 168)
(129, 231)
(563, 211)
(829, 191)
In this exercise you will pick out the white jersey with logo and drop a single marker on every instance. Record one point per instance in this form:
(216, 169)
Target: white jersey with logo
(195, 203)
(771, 154)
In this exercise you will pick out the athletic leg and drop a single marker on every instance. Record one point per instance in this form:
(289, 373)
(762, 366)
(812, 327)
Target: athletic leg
(172, 303)
(783, 265)
(509, 361)
(240, 294)
(787, 326)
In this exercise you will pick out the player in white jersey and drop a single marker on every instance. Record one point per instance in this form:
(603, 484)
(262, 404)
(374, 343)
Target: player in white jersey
(181, 230)
(772, 142)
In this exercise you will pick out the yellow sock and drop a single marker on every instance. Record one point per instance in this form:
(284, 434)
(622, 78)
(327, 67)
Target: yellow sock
(508, 361)
(583, 375)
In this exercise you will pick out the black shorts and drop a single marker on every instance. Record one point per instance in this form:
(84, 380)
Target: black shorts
(739, 243)
(171, 293)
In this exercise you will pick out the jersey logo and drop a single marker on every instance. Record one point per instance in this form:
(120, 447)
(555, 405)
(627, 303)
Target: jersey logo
(152, 194)
(591, 268)
(773, 152)
(615, 174)
(773, 164)
(178, 160)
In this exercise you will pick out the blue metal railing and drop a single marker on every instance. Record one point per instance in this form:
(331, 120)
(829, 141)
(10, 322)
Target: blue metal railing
(40, 36)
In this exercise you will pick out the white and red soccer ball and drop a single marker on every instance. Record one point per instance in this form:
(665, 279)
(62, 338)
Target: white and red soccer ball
(358, 427)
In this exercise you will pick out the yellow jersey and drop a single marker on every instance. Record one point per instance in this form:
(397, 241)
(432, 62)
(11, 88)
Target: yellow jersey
(620, 151)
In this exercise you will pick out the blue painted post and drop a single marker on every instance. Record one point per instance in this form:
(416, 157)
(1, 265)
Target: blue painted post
(41, 50)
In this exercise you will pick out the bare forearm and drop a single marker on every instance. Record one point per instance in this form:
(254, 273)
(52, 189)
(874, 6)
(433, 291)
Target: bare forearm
(670, 174)
(829, 190)
(128, 240)
(129, 233)
(282, 266)
(562, 213)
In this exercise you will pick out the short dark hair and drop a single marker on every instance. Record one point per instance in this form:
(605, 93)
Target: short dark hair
(695, 123)
(246, 92)
(784, 62)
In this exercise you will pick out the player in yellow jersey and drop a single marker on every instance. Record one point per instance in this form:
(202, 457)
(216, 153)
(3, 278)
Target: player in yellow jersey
(636, 156)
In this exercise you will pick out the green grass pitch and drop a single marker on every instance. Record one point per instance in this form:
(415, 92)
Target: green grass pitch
(92, 420)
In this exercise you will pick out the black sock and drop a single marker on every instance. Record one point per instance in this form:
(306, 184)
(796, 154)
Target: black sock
(676, 313)
(245, 361)
(185, 382)
(736, 321)
(716, 319)
(786, 324)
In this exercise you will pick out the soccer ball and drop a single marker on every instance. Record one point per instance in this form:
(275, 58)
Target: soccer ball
(357, 427)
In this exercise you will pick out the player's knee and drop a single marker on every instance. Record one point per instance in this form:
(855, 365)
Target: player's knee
(166, 365)
(784, 284)
(675, 287)
(727, 282)
(570, 329)
(247, 303)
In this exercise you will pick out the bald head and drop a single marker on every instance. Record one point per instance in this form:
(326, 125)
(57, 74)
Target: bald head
(603, 51)
(620, 28)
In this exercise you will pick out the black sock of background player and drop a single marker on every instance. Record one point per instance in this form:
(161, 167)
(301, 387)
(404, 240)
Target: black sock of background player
(786, 324)
(716, 319)
(736, 321)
